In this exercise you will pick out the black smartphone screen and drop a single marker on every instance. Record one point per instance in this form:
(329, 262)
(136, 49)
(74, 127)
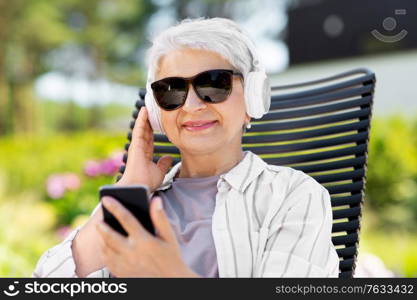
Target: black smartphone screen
(135, 198)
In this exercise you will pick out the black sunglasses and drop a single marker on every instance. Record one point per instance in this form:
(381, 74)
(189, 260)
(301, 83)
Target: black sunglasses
(211, 86)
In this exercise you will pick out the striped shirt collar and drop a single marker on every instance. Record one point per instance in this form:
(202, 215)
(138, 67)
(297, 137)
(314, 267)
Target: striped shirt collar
(239, 177)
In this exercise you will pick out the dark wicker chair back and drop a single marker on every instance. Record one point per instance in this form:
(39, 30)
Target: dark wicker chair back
(322, 128)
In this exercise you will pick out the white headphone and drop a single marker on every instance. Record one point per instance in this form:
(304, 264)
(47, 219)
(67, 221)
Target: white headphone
(257, 92)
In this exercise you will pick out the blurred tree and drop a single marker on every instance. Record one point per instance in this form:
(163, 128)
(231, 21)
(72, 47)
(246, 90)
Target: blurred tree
(95, 39)
(95, 117)
(36, 35)
(27, 30)
(198, 8)
(72, 118)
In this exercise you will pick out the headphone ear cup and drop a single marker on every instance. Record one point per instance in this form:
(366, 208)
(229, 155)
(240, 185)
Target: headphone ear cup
(153, 111)
(257, 94)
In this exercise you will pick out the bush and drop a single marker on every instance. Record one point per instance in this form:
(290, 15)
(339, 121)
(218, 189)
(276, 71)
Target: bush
(391, 188)
(31, 217)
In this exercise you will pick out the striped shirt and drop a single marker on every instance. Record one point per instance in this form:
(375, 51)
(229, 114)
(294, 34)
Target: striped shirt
(268, 221)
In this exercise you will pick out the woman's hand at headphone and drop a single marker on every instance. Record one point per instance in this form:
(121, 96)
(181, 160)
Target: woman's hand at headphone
(140, 168)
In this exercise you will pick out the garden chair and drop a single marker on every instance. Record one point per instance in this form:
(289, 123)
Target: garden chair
(320, 127)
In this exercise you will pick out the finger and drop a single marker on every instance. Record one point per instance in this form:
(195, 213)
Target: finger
(148, 126)
(142, 124)
(139, 129)
(111, 239)
(101, 245)
(111, 259)
(141, 138)
(125, 217)
(148, 133)
(161, 221)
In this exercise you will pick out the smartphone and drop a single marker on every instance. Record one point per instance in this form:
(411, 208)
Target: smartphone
(135, 198)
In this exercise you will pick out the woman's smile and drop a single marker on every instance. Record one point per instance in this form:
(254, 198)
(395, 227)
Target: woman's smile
(199, 125)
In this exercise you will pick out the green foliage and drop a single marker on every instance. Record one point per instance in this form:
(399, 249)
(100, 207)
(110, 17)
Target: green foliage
(27, 229)
(28, 218)
(58, 117)
(28, 161)
(79, 202)
(396, 248)
(391, 187)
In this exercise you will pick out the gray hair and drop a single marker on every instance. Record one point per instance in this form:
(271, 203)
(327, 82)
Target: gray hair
(219, 35)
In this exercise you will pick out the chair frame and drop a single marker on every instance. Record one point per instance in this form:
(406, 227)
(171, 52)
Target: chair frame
(302, 104)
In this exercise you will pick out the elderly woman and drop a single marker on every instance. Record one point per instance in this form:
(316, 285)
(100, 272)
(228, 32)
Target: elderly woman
(221, 211)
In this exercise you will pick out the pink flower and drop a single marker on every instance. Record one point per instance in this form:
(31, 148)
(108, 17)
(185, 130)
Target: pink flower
(72, 181)
(118, 158)
(109, 167)
(92, 168)
(63, 232)
(55, 186)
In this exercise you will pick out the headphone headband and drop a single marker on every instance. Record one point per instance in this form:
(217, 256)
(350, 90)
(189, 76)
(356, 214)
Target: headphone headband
(255, 63)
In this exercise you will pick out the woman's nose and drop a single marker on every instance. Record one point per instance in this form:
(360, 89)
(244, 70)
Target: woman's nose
(193, 102)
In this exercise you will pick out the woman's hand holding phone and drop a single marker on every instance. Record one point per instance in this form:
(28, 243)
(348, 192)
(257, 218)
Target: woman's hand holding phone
(140, 168)
(140, 253)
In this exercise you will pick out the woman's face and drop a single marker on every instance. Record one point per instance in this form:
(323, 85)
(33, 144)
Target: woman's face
(228, 116)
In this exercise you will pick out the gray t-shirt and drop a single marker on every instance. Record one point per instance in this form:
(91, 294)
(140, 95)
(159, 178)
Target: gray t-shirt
(189, 204)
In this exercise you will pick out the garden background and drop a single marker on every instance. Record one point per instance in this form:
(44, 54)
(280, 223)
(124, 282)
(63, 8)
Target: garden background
(69, 74)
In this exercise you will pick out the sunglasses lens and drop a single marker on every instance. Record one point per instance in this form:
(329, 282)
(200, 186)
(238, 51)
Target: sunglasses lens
(213, 86)
(169, 92)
